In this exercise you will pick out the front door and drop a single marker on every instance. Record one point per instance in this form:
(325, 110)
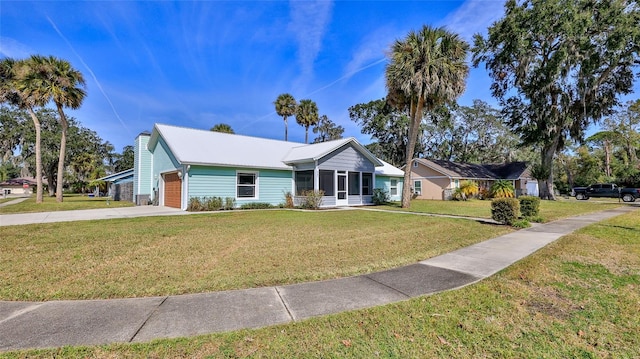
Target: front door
(341, 193)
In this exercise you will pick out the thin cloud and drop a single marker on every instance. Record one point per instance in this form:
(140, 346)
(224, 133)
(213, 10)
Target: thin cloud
(90, 72)
(309, 21)
(474, 16)
(14, 49)
(372, 48)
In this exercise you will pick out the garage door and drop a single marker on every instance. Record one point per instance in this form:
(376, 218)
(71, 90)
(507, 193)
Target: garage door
(172, 190)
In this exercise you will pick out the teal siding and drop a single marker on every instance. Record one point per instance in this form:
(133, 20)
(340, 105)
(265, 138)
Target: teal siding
(273, 185)
(142, 177)
(221, 182)
(212, 182)
(384, 182)
(163, 159)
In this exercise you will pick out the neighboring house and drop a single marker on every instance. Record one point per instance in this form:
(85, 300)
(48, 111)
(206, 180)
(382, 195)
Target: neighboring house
(173, 164)
(22, 186)
(120, 185)
(437, 179)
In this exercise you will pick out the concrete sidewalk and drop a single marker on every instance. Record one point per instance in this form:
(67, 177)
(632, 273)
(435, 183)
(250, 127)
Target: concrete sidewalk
(90, 322)
(89, 214)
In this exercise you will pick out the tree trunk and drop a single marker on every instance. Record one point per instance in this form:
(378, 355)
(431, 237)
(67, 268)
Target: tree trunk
(63, 150)
(306, 134)
(36, 125)
(411, 146)
(606, 144)
(286, 130)
(548, 152)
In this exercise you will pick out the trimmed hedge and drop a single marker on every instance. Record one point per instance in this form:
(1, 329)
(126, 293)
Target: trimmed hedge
(257, 205)
(529, 206)
(505, 210)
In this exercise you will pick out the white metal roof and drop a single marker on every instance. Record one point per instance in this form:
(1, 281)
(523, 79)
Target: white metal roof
(202, 147)
(193, 146)
(389, 170)
(316, 151)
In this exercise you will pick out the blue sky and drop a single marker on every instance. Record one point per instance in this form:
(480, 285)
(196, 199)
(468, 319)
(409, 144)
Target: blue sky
(200, 63)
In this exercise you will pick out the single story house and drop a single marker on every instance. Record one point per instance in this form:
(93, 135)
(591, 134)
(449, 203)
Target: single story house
(21, 186)
(173, 164)
(120, 185)
(437, 179)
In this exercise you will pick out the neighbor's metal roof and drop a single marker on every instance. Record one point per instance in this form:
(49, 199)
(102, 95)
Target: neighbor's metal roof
(389, 170)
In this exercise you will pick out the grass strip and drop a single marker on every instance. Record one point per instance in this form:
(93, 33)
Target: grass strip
(70, 202)
(576, 298)
(549, 210)
(157, 256)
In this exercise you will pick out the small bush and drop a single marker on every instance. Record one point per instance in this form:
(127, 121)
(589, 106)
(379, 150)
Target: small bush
(312, 199)
(505, 210)
(213, 203)
(229, 203)
(288, 200)
(484, 193)
(529, 206)
(469, 189)
(257, 205)
(535, 219)
(521, 223)
(380, 196)
(199, 204)
(502, 189)
(195, 205)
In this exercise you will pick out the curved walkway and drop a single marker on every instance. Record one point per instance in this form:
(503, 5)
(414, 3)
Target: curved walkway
(90, 322)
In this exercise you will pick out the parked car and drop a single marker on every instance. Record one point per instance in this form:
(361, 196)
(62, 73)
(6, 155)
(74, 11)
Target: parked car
(608, 190)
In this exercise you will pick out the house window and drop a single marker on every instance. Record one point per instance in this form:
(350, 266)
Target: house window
(417, 187)
(367, 180)
(456, 183)
(354, 183)
(304, 182)
(415, 164)
(327, 182)
(247, 183)
(393, 189)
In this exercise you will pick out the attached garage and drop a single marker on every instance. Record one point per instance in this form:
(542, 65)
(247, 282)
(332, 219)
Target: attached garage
(172, 190)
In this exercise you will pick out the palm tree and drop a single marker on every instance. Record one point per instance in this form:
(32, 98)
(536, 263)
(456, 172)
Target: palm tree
(17, 80)
(307, 116)
(222, 127)
(429, 69)
(64, 85)
(285, 107)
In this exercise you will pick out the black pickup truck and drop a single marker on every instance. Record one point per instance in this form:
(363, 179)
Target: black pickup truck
(609, 190)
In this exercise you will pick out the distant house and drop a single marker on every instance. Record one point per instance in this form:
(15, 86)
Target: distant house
(437, 179)
(23, 186)
(173, 164)
(120, 185)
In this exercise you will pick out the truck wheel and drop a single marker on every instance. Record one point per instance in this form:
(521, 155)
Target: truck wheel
(581, 196)
(628, 198)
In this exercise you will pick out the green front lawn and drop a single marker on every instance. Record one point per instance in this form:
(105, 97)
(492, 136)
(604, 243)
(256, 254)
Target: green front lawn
(157, 256)
(3, 200)
(576, 298)
(70, 202)
(549, 210)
